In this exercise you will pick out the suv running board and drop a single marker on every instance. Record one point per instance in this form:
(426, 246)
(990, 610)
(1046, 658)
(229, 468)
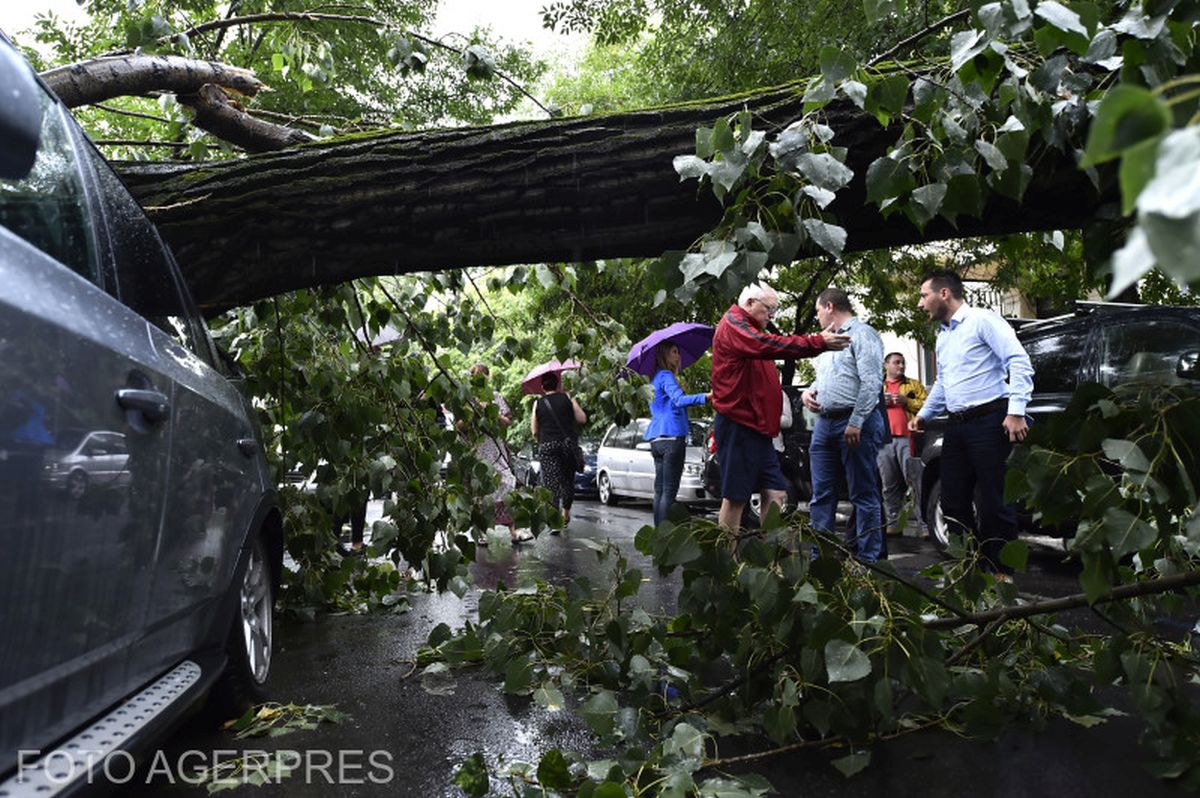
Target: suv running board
(83, 756)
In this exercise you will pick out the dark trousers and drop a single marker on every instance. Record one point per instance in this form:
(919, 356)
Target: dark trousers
(829, 457)
(974, 457)
(358, 522)
(668, 470)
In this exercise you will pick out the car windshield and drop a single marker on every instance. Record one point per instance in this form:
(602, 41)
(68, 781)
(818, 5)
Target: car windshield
(589, 445)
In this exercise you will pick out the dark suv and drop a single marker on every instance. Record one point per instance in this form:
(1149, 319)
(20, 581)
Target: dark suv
(129, 588)
(1101, 342)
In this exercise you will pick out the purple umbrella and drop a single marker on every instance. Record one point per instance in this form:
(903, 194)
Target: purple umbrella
(533, 380)
(692, 339)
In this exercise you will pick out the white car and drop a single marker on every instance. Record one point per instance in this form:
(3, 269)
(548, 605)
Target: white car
(625, 467)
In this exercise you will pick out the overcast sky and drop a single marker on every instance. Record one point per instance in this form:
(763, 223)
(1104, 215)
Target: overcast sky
(516, 20)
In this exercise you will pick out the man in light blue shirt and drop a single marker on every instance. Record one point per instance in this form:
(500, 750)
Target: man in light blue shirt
(850, 427)
(984, 382)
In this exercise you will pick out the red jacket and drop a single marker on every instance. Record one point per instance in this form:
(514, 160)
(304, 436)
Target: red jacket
(745, 384)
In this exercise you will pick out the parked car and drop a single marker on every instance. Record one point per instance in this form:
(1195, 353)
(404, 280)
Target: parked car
(117, 615)
(81, 460)
(528, 468)
(1107, 343)
(625, 467)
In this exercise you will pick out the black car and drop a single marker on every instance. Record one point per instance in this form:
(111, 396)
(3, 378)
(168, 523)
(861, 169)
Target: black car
(142, 540)
(528, 468)
(1100, 342)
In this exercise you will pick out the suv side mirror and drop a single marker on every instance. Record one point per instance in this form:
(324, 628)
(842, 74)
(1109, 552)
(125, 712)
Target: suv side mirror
(20, 114)
(1188, 367)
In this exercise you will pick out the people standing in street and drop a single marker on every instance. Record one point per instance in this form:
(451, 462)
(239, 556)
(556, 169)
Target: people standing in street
(668, 430)
(748, 399)
(984, 381)
(850, 426)
(494, 451)
(554, 423)
(902, 397)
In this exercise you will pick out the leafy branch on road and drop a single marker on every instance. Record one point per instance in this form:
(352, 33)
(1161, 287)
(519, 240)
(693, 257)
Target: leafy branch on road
(796, 651)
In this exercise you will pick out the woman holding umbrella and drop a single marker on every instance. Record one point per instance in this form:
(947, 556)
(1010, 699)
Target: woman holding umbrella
(662, 354)
(554, 423)
(668, 430)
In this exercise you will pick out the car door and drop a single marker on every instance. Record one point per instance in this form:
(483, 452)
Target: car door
(1058, 356)
(76, 573)
(213, 485)
(641, 461)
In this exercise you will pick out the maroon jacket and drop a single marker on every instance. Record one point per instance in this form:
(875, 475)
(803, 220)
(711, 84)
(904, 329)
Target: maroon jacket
(745, 384)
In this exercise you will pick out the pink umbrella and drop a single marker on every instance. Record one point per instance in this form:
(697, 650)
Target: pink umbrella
(533, 380)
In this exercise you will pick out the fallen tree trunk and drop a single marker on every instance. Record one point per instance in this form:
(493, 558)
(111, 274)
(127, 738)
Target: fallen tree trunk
(555, 191)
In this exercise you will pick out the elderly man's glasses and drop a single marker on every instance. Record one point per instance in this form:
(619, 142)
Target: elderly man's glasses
(771, 309)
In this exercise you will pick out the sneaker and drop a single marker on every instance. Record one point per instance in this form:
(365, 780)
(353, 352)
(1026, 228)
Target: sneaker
(521, 537)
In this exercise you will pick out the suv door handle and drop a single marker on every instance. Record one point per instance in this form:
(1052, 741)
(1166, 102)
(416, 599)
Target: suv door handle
(153, 405)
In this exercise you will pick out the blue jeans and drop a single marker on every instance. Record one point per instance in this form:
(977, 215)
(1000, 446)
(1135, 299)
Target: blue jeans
(668, 470)
(829, 457)
(974, 461)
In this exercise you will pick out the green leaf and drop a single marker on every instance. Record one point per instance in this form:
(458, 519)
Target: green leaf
(1015, 554)
(704, 145)
(852, 763)
(836, 64)
(824, 170)
(965, 45)
(963, 195)
(1137, 169)
(722, 136)
(689, 167)
(1169, 206)
(552, 773)
(549, 696)
(885, 97)
(1130, 262)
(1126, 533)
(518, 676)
(686, 741)
(991, 153)
(844, 662)
(887, 179)
(1095, 579)
(1060, 17)
(472, 777)
(600, 712)
(828, 237)
(1127, 454)
(1127, 116)
(926, 201)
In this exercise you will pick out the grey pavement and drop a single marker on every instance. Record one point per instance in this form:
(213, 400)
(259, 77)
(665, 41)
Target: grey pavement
(403, 740)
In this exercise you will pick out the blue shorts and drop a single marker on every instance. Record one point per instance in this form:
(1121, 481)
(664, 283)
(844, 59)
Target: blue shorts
(747, 459)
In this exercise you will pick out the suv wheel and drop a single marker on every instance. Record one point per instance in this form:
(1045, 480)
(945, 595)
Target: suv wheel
(251, 637)
(604, 486)
(939, 530)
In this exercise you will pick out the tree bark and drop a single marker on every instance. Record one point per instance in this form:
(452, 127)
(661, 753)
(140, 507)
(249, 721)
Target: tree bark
(555, 191)
(100, 79)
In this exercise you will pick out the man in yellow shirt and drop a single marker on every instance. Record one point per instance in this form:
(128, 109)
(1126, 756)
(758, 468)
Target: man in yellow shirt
(902, 397)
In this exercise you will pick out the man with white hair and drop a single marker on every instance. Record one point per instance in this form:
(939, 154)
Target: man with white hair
(748, 398)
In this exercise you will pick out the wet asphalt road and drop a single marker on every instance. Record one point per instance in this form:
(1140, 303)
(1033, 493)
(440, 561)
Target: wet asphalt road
(403, 740)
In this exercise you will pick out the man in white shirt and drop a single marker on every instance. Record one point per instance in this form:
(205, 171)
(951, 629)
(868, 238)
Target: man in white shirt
(984, 381)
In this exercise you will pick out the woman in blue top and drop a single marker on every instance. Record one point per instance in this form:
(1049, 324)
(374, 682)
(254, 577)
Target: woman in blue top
(668, 430)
